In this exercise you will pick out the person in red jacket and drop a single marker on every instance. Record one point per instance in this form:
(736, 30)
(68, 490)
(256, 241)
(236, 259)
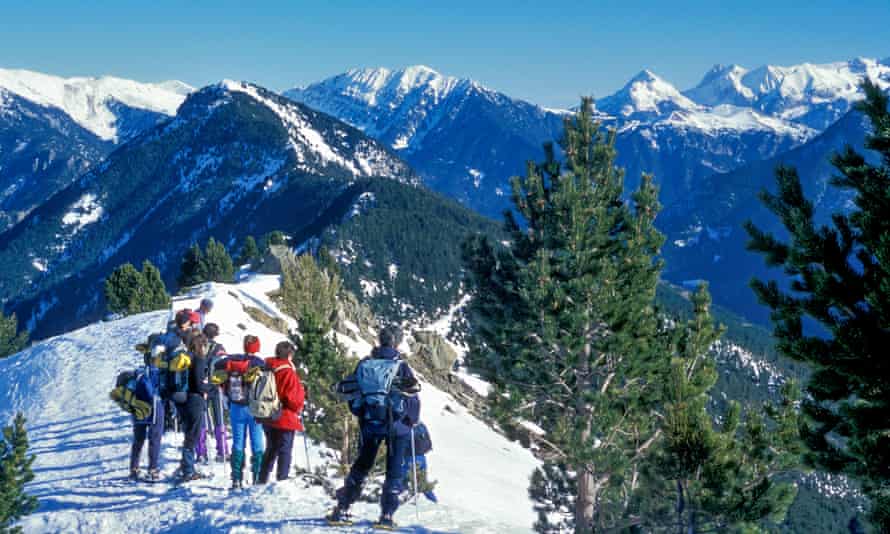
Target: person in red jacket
(280, 433)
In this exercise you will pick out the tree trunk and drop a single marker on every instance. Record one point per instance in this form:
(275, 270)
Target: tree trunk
(681, 506)
(584, 502)
(344, 449)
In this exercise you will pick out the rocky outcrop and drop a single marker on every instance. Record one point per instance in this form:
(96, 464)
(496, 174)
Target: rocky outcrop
(277, 259)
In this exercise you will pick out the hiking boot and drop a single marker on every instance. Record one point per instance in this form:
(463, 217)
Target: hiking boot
(192, 476)
(154, 475)
(338, 517)
(237, 484)
(385, 523)
(221, 459)
(134, 474)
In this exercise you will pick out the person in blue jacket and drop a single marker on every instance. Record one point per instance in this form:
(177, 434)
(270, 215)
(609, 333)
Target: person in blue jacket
(395, 429)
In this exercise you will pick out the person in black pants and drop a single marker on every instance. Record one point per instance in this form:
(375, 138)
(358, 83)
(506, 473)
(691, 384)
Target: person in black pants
(192, 410)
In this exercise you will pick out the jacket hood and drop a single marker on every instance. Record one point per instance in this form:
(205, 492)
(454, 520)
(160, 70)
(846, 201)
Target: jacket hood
(385, 353)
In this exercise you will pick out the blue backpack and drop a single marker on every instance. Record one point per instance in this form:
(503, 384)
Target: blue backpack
(377, 402)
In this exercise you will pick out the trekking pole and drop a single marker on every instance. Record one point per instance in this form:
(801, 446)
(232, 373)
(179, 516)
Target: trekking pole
(414, 467)
(306, 447)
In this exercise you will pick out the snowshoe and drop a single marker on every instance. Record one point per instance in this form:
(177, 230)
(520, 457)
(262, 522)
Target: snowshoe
(385, 523)
(154, 475)
(338, 517)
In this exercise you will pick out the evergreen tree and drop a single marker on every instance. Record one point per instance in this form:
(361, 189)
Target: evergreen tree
(155, 296)
(124, 289)
(564, 325)
(307, 290)
(840, 278)
(218, 262)
(326, 417)
(250, 253)
(309, 294)
(11, 340)
(705, 478)
(193, 269)
(15, 472)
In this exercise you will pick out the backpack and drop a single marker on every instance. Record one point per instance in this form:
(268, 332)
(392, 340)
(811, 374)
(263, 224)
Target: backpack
(236, 388)
(143, 385)
(423, 443)
(174, 384)
(262, 395)
(377, 402)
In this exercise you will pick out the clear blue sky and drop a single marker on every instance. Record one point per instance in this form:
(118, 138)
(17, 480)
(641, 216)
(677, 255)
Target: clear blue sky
(549, 52)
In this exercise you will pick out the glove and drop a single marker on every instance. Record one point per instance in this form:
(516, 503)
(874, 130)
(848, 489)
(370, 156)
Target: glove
(180, 362)
(252, 374)
(125, 399)
(219, 377)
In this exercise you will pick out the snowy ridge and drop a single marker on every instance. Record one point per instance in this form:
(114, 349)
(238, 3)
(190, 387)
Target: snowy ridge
(729, 118)
(82, 441)
(399, 107)
(813, 94)
(365, 159)
(88, 101)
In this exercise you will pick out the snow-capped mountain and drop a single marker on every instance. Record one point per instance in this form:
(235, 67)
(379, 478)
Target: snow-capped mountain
(464, 139)
(111, 108)
(645, 96)
(815, 95)
(236, 160)
(82, 439)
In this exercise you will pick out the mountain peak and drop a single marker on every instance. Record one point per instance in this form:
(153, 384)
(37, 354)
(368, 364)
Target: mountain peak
(646, 94)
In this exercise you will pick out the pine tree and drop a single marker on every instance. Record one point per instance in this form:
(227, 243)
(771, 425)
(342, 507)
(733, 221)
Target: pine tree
(250, 253)
(124, 289)
(218, 262)
(307, 290)
(326, 417)
(563, 320)
(193, 269)
(309, 294)
(11, 340)
(704, 477)
(840, 279)
(15, 472)
(155, 296)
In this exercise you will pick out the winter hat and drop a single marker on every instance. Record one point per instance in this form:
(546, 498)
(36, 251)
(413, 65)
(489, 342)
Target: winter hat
(284, 350)
(390, 336)
(211, 330)
(207, 304)
(195, 318)
(183, 316)
(251, 344)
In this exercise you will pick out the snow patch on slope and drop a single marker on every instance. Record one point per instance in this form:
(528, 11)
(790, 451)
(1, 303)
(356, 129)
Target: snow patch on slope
(83, 212)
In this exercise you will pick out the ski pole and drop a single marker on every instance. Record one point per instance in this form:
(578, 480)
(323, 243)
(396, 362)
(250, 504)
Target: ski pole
(306, 447)
(414, 466)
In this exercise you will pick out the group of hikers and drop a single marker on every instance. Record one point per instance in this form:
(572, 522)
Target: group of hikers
(190, 382)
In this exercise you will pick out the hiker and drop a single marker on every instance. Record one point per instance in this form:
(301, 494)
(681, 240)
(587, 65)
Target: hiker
(387, 416)
(233, 373)
(138, 393)
(178, 333)
(280, 431)
(192, 410)
(216, 401)
(203, 310)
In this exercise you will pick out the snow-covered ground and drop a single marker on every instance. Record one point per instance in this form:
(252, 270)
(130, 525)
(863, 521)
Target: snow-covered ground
(82, 439)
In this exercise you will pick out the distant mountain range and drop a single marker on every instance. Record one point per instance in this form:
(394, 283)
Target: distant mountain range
(710, 148)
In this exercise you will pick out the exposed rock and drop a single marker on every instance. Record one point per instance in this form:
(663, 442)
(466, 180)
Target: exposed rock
(434, 350)
(276, 259)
